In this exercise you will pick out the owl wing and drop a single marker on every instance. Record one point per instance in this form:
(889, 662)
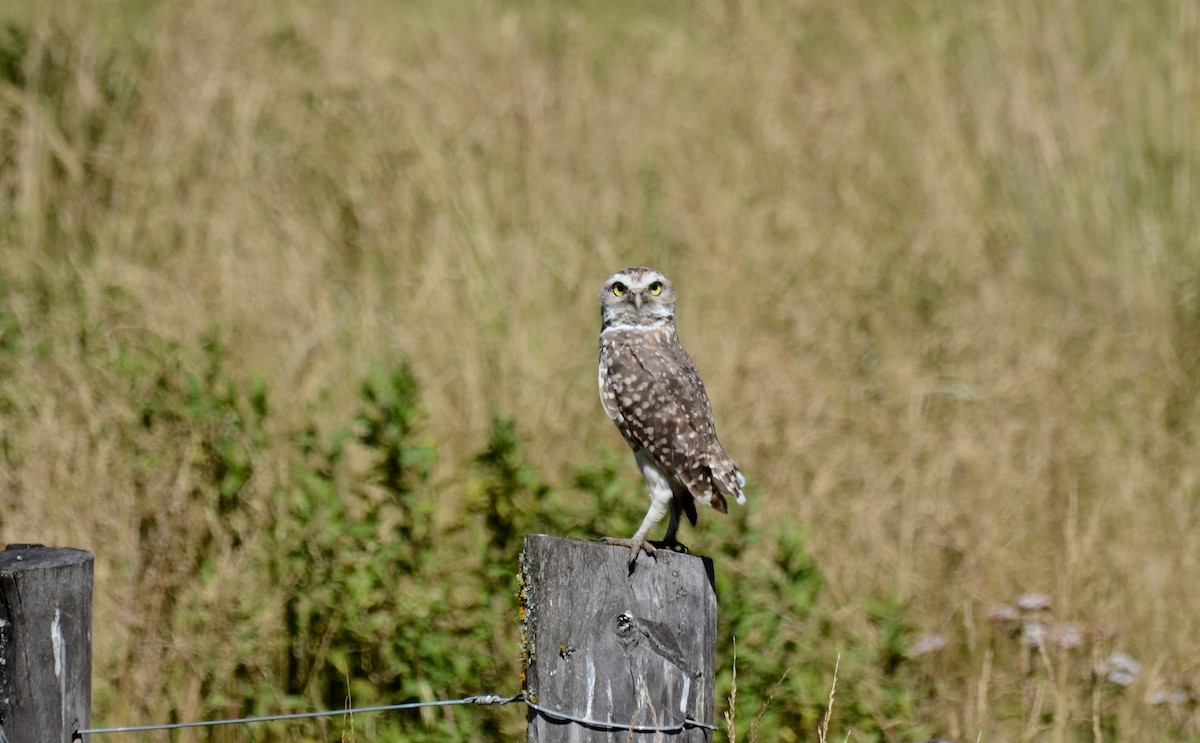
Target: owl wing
(656, 397)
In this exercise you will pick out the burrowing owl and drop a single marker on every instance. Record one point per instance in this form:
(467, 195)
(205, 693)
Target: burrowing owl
(652, 391)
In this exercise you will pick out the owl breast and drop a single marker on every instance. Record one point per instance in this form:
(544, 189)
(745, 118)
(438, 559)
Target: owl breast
(652, 391)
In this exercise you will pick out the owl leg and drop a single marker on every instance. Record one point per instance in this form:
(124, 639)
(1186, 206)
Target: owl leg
(670, 541)
(681, 503)
(661, 500)
(638, 543)
(672, 524)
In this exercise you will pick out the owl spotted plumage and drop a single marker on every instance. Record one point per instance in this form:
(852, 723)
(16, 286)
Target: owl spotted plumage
(652, 391)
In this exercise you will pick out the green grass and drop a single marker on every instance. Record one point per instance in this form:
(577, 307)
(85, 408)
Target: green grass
(298, 335)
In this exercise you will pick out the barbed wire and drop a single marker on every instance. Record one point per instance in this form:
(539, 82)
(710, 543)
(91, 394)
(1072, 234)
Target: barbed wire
(623, 727)
(479, 699)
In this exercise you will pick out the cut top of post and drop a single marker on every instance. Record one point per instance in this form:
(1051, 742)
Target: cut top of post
(16, 557)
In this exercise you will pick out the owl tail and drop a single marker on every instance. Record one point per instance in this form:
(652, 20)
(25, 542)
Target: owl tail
(729, 481)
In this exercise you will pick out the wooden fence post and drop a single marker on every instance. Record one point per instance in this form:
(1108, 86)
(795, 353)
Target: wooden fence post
(615, 656)
(45, 643)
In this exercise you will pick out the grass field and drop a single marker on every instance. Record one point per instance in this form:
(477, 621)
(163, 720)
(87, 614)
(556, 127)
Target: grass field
(298, 331)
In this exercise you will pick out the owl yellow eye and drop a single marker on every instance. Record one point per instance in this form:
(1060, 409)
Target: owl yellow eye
(656, 288)
(619, 289)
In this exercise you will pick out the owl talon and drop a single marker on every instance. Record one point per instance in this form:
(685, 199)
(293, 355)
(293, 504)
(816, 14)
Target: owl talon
(679, 547)
(635, 546)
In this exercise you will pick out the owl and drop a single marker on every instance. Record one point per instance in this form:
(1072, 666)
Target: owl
(652, 391)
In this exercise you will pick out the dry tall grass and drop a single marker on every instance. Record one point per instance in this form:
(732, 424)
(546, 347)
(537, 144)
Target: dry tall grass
(938, 262)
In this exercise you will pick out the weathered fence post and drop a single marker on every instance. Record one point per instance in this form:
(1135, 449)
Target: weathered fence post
(615, 656)
(45, 643)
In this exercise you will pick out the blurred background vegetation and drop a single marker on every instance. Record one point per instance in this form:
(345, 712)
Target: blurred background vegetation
(298, 334)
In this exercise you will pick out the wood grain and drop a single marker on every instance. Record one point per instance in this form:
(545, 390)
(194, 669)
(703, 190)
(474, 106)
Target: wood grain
(614, 647)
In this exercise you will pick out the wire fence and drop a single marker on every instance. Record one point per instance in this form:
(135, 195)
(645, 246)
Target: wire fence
(480, 699)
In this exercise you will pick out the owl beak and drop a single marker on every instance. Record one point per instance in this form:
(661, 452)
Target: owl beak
(637, 300)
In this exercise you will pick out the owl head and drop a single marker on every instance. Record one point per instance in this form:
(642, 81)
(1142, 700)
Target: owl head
(637, 297)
